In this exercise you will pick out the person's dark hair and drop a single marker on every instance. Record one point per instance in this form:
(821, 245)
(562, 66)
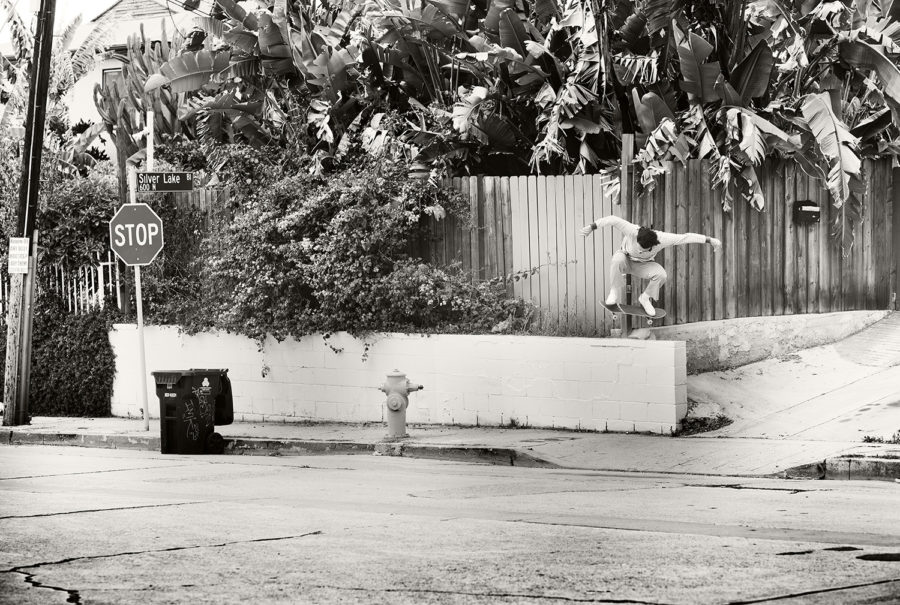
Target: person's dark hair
(647, 238)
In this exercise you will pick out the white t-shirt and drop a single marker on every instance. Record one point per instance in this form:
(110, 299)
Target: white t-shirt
(633, 249)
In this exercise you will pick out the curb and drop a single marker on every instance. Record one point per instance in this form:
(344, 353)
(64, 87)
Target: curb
(247, 446)
(848, 468)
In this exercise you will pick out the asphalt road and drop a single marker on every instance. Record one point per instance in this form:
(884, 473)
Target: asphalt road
(105, 526)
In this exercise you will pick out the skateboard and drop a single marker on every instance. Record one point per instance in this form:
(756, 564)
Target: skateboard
(634, 310)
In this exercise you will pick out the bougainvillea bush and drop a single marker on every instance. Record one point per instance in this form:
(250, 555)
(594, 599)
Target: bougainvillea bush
(318, 254)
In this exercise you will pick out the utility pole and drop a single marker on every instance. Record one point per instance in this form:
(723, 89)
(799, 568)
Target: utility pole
(18, 334)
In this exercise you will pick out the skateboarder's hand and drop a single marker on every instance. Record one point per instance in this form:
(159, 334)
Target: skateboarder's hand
(587, 230)
(715, 243)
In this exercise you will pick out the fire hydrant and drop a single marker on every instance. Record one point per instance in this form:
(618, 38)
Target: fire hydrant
(397, 388)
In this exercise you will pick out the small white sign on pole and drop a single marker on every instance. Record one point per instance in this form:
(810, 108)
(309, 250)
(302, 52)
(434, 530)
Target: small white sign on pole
(18, 255)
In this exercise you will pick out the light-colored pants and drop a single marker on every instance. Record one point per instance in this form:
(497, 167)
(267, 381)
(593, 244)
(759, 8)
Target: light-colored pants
(620, 265)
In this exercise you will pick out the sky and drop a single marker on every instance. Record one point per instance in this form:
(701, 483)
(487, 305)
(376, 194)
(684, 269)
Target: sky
(66, 11)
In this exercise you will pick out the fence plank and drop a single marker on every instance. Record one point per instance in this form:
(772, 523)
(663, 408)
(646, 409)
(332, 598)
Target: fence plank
(610, 241)
(589, 255)
(754, 261)
(535, 211)
(706, 227)
(778, 240)
(490, 232)
(681, 252)
(859, 266)
(801, 232)
(882, 239)
(742, 249)
(766, 224)
(476, 200)
(868, 231)
(729, 251)
(562, 251)
(876, 185)
(812, 251)
(577, 276)
(790, 252)
(668, 194)
(546, 214)
(518, 237)
(821, 200)
(506, 225)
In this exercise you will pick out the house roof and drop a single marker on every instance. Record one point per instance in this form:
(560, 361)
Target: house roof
(129, 16)
(124, 7)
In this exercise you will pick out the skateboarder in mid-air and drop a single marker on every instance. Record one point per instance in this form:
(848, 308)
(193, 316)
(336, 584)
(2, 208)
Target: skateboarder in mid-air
(640, 245)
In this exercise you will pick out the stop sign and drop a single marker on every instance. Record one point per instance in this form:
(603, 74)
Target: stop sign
(136, 234)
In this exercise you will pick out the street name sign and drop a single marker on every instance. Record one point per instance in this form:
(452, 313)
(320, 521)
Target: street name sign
(152, 182)
(136, 234)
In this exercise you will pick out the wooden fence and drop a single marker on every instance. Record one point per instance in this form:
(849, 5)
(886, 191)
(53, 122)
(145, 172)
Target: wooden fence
(528, 227)
(769, 264)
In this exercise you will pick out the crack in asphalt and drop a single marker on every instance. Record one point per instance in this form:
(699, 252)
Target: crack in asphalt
(791, 490)
(112, 470)
(101, 510)
(74, 596)
(492, 595)
(19, 568)
(794, 595)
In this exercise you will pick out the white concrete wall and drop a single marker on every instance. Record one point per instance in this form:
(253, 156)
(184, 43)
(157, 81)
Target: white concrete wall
(595, 384)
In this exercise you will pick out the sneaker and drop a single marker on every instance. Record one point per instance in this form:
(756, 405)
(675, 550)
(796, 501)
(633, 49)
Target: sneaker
(648, 306)
(611, 299)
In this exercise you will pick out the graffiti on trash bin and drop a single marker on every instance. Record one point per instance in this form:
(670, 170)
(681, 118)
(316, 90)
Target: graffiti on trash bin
(204, 412)
(190, 419)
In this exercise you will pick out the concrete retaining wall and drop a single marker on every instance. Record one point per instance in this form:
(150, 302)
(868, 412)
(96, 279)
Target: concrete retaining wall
(729, 343)
(595, 384)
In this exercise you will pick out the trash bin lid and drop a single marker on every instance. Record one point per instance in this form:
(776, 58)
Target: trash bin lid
(169, 377)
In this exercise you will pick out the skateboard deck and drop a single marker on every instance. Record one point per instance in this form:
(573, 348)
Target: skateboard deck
(635, 310)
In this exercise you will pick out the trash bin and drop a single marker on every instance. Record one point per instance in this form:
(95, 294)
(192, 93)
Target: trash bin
(191, 403)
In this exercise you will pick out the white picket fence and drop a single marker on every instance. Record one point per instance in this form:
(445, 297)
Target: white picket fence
(87, 287)
(82, 290)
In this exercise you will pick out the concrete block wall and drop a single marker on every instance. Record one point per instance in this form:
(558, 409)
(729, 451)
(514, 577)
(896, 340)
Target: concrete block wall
(579, 383)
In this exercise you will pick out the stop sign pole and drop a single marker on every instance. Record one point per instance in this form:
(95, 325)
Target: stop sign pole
(136, 236)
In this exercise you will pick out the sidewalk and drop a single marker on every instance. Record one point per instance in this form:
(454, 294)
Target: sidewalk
(732, 457)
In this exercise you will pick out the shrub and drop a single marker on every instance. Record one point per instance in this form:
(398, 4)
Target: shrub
(312, 254)
(73, 364)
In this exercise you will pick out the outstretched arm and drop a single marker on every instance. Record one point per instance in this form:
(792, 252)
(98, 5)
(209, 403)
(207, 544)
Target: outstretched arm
(678, 239)
(609, 221)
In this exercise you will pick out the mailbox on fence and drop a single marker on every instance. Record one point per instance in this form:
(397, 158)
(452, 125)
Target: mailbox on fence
(806, 212)
(191, 403)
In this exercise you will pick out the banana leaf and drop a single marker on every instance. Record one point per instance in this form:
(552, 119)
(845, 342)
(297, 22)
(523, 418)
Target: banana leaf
(236, 12)
(753, 193)
(751, 76)
(699, 76)
(727, 92)
(872, 125)
(835, 142)
(492, 20)
(844, 175)
(512, 32)
(863, 55)
(187, 72)
(659, 15)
